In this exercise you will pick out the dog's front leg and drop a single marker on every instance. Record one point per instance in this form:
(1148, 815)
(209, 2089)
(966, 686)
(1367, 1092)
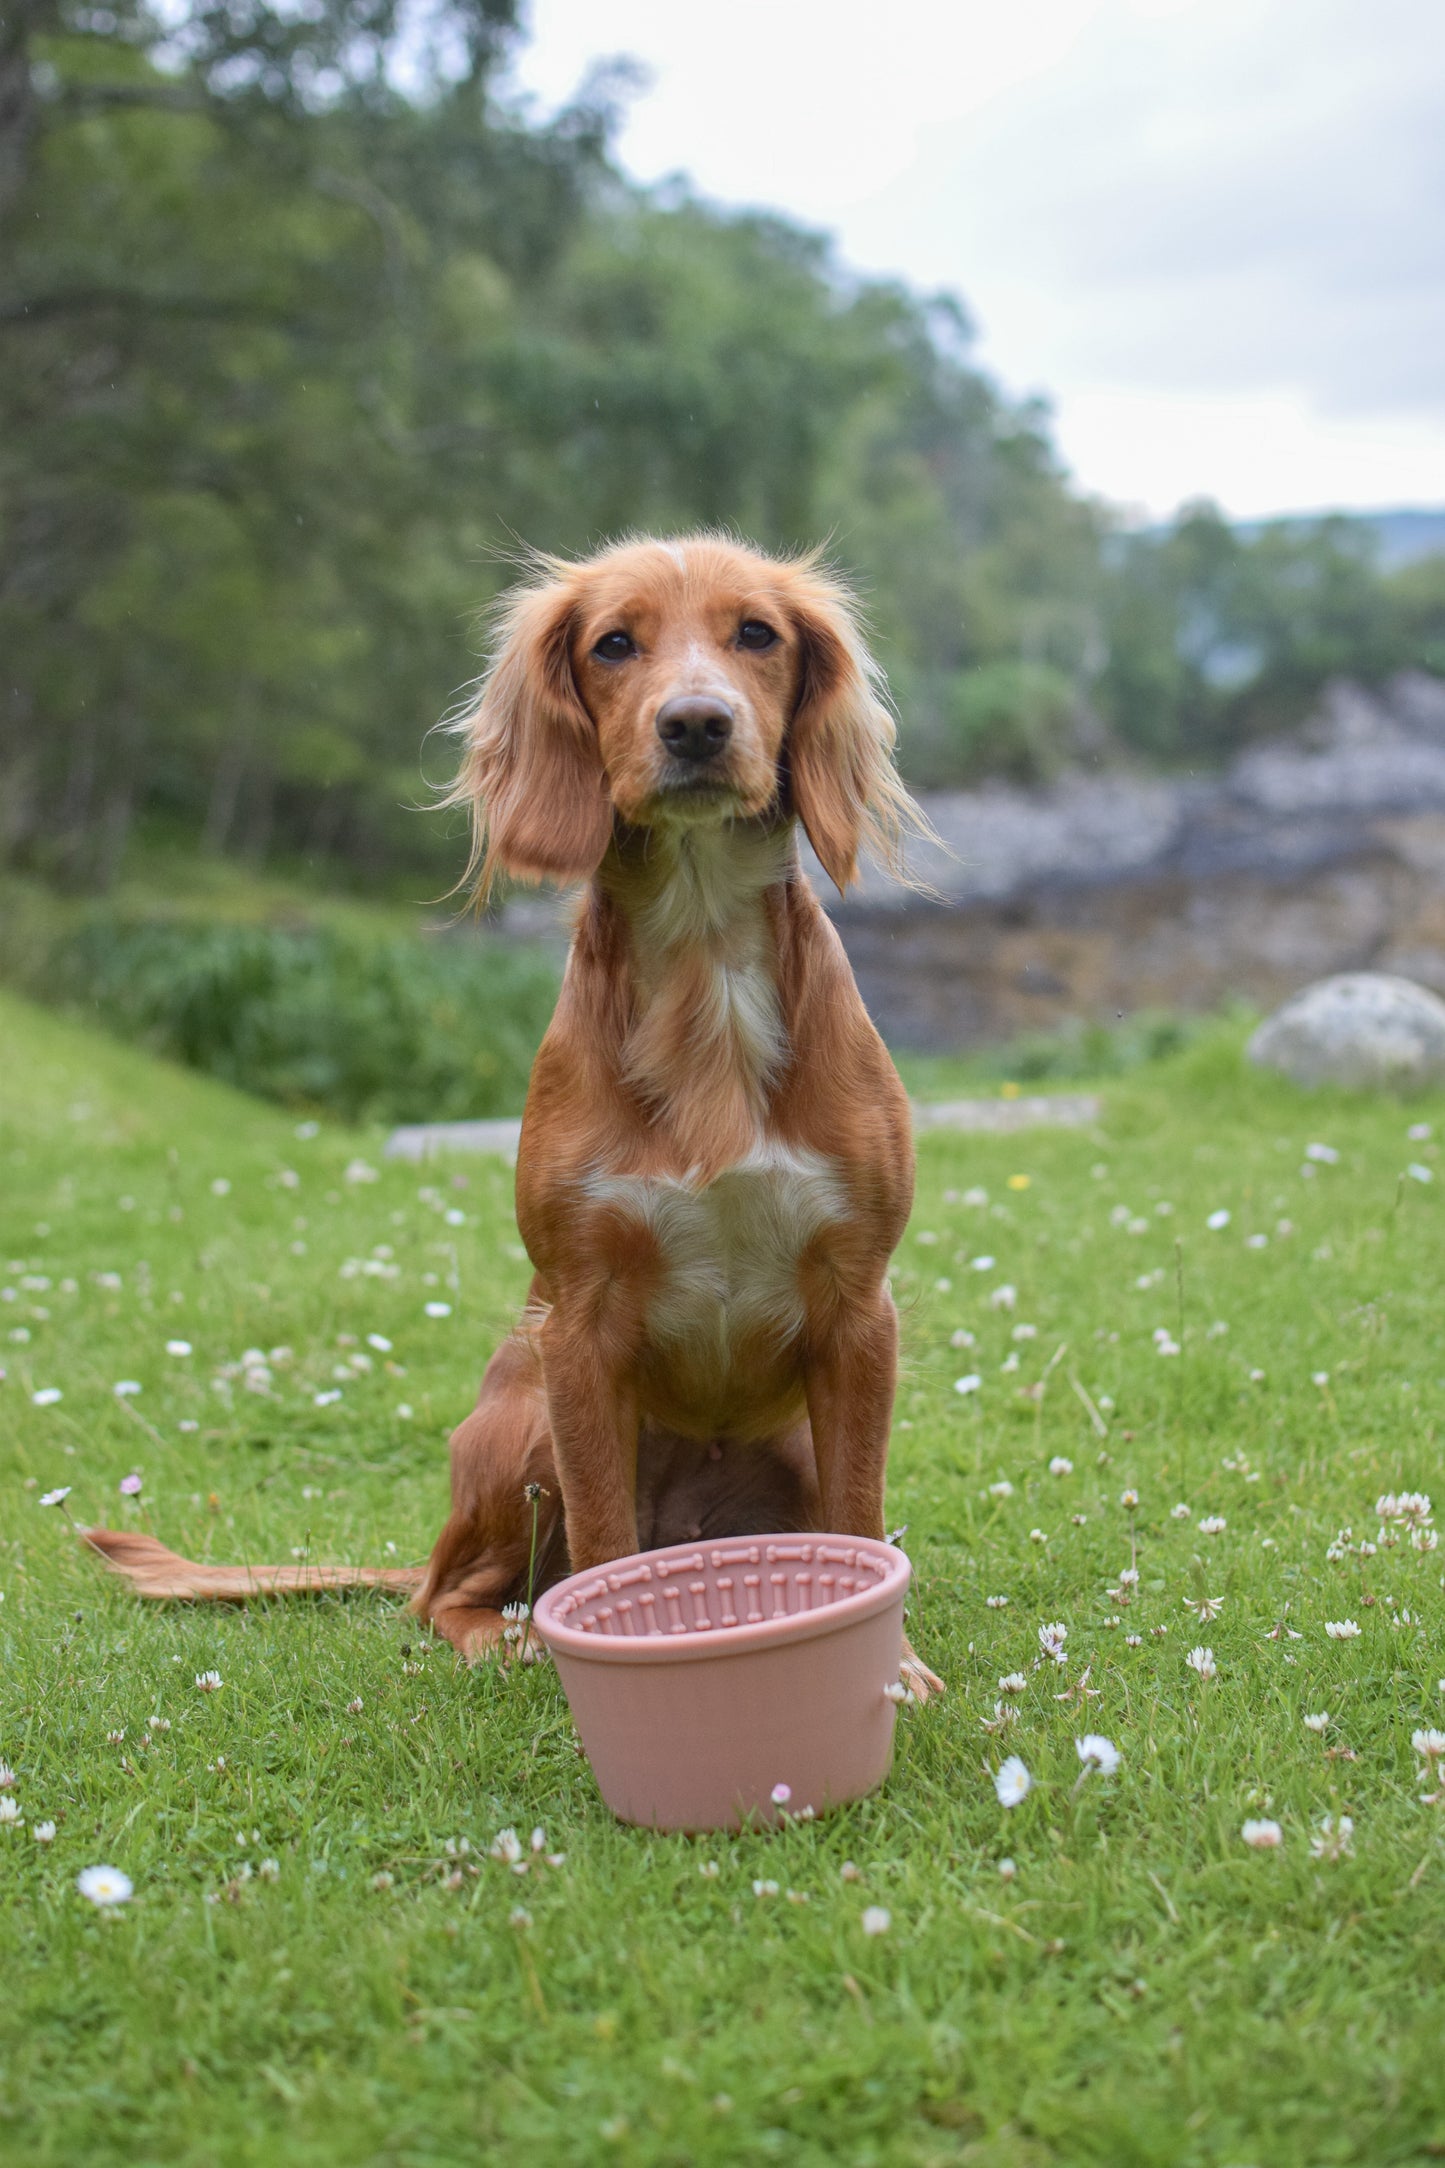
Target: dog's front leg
(592, 1408)
(850, 1381)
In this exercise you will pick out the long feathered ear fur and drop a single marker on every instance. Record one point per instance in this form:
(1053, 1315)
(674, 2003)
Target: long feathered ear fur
(845, 788)
(531, 774)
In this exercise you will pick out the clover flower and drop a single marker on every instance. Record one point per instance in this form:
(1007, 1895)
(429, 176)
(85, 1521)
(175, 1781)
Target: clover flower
(1263, 1836)
(1412, 1507)
(1335, 1838)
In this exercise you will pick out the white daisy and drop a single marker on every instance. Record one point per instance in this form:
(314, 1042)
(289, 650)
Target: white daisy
(1012, 1782)
(104, 1886)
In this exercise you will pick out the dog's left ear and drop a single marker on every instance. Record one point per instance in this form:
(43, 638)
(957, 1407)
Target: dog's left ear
(845, 788)
(532, 772)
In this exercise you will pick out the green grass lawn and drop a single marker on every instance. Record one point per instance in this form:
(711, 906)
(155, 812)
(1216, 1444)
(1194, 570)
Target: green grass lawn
(321, 1962)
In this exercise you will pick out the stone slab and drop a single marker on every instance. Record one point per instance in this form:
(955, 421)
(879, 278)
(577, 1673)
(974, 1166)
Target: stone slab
(1066, 1110)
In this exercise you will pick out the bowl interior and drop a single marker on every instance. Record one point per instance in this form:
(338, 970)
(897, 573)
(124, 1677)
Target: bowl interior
(710, 1588)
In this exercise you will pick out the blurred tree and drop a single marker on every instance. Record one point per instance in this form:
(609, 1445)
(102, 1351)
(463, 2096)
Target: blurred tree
(1216, 637)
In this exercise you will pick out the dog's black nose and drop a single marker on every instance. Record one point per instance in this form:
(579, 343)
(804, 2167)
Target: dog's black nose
(696, 727)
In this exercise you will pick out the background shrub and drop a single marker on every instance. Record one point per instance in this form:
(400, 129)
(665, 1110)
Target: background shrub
(385, 1030)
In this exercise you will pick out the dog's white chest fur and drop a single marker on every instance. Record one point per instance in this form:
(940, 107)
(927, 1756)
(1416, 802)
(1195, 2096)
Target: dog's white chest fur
(730, 1248)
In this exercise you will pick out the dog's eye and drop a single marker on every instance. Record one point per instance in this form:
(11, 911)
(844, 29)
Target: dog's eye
(755, 634)
(615, 647)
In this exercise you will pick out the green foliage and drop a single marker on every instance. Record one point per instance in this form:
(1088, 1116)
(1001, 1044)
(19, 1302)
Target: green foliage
(1145, 1990)
(318, 1018)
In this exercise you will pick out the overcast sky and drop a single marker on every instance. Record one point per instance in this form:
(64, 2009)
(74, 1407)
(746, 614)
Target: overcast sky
(1212, 232)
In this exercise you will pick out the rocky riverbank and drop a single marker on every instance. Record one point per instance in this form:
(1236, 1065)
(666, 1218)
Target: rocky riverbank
(1113, 892)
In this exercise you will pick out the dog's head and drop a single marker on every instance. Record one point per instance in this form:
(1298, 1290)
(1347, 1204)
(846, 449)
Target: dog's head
(685, 683)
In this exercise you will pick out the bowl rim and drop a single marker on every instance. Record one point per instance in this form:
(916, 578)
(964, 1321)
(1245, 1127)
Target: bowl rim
(707, 1642)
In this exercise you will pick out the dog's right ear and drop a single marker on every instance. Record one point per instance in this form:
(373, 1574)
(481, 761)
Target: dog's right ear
(532, 774)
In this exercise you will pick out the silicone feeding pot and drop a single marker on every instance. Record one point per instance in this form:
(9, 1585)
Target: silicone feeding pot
(703, 1676)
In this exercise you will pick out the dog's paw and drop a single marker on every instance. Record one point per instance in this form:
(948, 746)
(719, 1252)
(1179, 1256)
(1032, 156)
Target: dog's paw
(474, 1630)
(916, 1676)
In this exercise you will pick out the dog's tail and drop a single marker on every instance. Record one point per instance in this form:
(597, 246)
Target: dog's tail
(165, 1577)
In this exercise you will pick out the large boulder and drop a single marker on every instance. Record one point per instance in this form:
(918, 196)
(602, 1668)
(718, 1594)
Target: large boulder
(1363, 1030)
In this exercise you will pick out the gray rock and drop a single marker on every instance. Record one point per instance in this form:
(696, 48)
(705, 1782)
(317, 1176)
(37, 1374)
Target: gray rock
(1362, 1030)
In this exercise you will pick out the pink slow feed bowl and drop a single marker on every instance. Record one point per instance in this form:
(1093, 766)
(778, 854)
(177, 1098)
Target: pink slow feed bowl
(703, 1676)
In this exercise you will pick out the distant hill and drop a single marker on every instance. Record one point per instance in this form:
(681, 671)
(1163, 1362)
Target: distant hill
(1403, 536)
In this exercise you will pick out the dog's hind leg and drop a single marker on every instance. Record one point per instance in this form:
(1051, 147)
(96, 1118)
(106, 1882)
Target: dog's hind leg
(505, 1536)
